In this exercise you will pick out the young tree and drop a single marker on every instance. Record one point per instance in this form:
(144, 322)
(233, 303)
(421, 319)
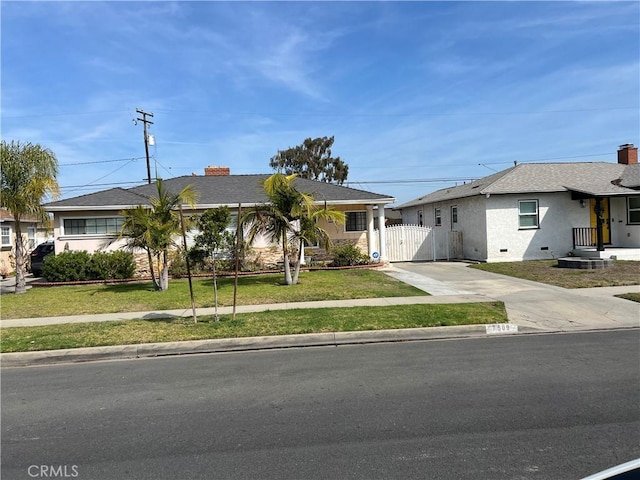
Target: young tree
(28, 175)
(214, 237)
(312, 160)
(289, 216)
(308, 230)
(155, 228)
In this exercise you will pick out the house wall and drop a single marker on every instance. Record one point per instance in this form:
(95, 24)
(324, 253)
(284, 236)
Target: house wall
(471, 222)
(7, 252)
(622, 234)
(558, 215)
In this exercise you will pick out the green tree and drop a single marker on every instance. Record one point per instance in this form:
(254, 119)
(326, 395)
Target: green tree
(154, 229)
(213, 238)
(288, 218)
(29, 174)
(312, 160)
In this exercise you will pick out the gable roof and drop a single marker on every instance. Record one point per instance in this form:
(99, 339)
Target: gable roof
(215, 191)
(594, 179)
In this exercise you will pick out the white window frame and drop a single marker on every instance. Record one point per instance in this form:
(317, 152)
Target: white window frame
(631, 209)
(5, 236)
(454, 216)
(32, 233)
(535, 215)
(89, 235)
(437, 216)
(346, 223)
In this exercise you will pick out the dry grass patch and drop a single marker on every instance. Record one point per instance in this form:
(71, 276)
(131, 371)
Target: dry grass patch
(546, 271)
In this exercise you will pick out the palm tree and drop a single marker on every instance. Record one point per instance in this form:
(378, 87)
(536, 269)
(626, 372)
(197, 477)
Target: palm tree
(288, 215)
(28, 175)
(310, 231)
(155, 228)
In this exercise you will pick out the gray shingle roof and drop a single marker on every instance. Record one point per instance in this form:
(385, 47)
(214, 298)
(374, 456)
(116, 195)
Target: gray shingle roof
(597, 178)
(215, 190)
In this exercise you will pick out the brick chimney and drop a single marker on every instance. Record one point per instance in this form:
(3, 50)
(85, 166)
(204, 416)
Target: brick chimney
(628, 154)
(215, 171)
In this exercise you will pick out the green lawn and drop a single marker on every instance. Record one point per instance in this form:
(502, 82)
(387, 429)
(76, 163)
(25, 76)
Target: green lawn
(546, 271)
(252, 290)
(297, 321)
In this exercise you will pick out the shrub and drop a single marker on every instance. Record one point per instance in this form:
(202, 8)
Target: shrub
(347, 254)
(70, 266)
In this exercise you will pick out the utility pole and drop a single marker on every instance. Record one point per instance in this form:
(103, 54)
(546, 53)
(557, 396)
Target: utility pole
(146, 138)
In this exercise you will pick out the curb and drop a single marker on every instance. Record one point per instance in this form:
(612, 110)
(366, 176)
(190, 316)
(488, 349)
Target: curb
(146, 350)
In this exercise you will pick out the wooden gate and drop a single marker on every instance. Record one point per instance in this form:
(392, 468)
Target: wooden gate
(406, 243)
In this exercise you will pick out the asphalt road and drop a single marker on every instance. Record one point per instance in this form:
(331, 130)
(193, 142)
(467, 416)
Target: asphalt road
(520, 407)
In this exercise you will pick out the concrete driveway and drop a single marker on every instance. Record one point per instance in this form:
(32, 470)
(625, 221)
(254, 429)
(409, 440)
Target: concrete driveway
(529, 304)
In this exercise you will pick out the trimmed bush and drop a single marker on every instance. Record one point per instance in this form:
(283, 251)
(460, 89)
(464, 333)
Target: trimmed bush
(71, 266)
(347, 254)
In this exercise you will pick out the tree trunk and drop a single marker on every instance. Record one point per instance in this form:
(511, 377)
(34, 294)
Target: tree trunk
(296, 272)
(285, 259)
(21, 284)
(152, 271)
(164, 273)
(215, 290)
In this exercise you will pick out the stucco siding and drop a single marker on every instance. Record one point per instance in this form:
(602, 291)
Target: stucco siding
(558, 215)
(622, 234)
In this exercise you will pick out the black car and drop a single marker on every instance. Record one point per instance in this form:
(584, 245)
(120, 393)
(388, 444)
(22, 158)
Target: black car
(38, 255)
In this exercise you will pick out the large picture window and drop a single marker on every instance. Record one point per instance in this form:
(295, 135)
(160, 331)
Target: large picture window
(634, 210)
(356, 221)
(528, 213)
(93, 226)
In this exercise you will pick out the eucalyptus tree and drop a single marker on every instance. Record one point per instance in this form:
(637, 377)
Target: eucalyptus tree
(313, 160)
(28, 175)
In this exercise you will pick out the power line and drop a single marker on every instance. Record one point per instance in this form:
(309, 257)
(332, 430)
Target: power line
(101, 161)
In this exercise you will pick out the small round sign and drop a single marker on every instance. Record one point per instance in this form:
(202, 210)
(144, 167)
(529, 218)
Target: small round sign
(375, 255)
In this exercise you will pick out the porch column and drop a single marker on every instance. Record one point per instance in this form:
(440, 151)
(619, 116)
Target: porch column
(382, 237)
(371, 246)
(599, 210)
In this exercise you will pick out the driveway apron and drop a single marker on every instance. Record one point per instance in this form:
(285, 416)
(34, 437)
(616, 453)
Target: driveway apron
(528, 304)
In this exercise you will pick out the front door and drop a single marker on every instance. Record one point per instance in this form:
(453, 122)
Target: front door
(606, 220)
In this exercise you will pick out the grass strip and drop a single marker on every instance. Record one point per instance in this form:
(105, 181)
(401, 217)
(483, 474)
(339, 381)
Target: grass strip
(634, 297)
(623, 272)
(283, 322)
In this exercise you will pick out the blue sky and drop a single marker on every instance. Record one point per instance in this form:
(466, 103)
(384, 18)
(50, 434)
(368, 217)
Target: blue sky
(418, 95)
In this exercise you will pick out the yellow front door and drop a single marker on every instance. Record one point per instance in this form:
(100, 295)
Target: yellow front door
(606, 220)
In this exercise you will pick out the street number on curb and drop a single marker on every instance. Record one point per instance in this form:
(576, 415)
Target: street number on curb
(498, 328)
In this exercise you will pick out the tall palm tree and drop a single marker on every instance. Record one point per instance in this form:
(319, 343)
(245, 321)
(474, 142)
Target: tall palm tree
(28, 175)
(155, 228)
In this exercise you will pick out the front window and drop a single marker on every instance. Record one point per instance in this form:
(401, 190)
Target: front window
(454, 216)
(528, 213)
(31, 238)
(93, 226)
(6, 236)
(356, 221)
(634, 209)
(438, 217)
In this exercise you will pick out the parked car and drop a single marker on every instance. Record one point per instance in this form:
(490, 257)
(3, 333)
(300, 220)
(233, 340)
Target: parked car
(38, 255)
(625, 471)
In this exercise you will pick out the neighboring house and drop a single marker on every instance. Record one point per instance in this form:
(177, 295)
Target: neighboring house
(92, 222)
(32, 234)
(538, 211)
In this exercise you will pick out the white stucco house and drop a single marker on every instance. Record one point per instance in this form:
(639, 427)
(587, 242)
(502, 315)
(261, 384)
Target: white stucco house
(92, 222)
(539, 211)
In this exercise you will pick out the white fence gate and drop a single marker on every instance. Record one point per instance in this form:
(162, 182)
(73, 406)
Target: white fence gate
(407, 243)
